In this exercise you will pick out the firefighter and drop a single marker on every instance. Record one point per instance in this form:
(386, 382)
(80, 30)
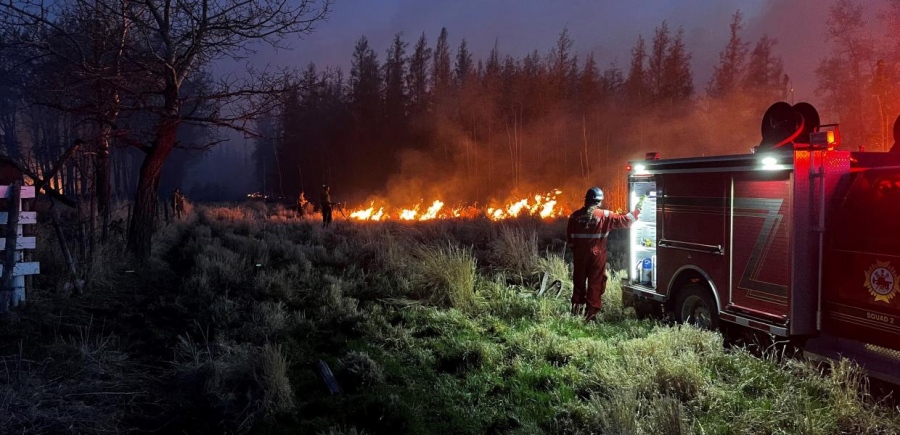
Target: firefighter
(326, 205)
(302, 204)
(177, 202)
(586, 233)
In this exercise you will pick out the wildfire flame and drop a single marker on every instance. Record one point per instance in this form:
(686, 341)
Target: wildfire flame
(544, 206)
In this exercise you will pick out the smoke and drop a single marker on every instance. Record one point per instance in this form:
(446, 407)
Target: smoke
(801, 28)
(561, 152)
(509, 160)
(553, 155)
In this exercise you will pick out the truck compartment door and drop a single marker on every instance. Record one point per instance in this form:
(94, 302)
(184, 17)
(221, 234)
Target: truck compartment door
(760, 263)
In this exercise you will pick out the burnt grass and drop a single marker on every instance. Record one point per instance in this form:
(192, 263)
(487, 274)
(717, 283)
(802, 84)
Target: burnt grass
(222, 330)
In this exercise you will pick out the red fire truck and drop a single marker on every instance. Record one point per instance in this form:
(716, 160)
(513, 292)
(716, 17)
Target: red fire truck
(798, 240)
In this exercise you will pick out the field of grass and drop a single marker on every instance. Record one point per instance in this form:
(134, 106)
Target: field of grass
(433, 327)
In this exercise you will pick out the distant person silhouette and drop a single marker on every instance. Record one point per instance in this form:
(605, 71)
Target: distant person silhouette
(326, 204)
(302, 203)
(177, 202)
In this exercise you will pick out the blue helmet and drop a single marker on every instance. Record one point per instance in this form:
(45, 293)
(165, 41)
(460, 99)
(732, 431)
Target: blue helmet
(593, 196)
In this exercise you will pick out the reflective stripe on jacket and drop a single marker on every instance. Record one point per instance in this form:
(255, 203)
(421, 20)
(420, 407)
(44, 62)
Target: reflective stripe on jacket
(592, 229)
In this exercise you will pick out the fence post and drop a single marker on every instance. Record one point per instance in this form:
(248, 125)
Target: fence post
(9, 261)
(14, 265)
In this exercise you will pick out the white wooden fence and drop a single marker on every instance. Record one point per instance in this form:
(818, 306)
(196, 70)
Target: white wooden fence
(22, 268)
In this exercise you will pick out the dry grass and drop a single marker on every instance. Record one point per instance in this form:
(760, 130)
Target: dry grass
(515, 250)
(271, 375)
(444, 276)
(358, 370)
(425, 337)
(240, 383)
(82, 383)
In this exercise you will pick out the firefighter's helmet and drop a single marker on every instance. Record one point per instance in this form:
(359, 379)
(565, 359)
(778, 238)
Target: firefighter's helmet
(593, 196)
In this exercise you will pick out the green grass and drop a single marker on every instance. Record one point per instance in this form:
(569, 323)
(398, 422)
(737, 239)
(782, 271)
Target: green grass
(433, 327)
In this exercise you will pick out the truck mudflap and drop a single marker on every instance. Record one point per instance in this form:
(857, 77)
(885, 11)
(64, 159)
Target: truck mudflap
(879, 362)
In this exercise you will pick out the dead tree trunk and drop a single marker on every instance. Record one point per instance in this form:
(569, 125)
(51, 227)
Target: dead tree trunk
(74, 282)
(102, 182)
(143, 217)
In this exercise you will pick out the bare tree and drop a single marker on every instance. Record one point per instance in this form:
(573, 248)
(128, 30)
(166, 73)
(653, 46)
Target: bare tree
(77, 63)
(162, 45)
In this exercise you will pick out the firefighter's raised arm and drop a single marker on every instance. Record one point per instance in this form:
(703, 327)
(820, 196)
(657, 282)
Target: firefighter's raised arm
(620, 221)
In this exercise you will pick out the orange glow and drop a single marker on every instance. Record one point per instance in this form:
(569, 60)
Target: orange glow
(369, 214)
(544, 206)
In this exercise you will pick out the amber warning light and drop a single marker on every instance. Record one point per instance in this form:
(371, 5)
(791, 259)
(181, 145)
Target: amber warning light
(827, 136)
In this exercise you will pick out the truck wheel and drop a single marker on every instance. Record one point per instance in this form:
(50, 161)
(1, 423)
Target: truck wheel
(697, 307)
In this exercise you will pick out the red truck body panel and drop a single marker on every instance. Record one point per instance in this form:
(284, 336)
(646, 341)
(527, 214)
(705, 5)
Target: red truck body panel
(862, 260)
(805, 247)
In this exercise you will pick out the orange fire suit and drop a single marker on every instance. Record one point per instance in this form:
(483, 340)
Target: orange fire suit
(587, 231)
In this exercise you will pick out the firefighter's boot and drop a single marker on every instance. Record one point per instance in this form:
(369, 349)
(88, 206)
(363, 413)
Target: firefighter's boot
(591, 314)
(577, 309)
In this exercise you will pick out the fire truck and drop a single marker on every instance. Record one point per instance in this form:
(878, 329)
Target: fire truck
(798, 239)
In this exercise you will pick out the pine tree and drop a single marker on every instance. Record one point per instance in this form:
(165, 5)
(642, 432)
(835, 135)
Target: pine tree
(417, 76)
(395, 71)
(636, 85)
(366, 110)
(727, 74)
(611, 83)
(563, 66)
(678, 80)
(464, 67)
(589, 84)
(441, 68)
(764, 78)
(656, 63)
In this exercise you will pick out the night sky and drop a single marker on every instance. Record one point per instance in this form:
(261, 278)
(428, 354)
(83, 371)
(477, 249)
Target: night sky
(609, 29)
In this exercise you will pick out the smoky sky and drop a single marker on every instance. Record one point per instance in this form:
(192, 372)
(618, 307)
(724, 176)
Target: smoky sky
(608, 29)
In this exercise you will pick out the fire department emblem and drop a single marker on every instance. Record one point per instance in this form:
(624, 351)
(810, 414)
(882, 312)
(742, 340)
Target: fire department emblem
(881, 280)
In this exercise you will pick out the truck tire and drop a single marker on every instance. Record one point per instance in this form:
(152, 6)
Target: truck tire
(695, 306)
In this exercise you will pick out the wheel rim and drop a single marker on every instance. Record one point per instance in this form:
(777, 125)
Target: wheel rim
(696, 312)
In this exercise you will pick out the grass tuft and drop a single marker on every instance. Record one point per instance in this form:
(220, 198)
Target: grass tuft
(515, 250)
(358, 370)
(272, 377)
(444, 276)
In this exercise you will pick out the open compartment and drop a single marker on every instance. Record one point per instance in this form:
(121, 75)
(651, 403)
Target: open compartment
(642, 234)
